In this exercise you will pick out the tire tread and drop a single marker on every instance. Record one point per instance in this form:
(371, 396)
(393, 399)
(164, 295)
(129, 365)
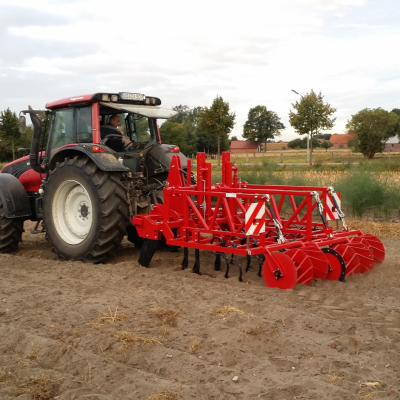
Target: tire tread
(114, 211)
(10, 232)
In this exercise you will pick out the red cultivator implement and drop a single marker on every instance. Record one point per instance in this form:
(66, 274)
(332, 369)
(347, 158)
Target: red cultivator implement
(284, 227)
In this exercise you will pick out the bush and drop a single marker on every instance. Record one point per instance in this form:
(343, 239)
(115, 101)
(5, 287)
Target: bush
(363, 194)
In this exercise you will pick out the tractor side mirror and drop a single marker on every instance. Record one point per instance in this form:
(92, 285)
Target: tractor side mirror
(22, 124)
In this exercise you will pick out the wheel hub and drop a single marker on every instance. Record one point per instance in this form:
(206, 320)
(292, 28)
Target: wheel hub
(72, 212)
(83, 211)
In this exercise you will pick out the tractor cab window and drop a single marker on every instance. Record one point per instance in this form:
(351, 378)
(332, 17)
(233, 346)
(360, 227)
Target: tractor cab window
(71, 126)
(142, 131)
(62, 128)
(84, 125)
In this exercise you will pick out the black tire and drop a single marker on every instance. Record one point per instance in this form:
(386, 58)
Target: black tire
(103, 213)
(10, 232)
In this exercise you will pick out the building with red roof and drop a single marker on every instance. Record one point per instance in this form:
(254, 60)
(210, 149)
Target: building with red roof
(341, 141)
(245, 146)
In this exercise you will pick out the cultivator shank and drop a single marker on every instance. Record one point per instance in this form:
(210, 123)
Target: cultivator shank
(284, 227)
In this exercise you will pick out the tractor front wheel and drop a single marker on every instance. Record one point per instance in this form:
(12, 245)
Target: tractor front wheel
(10, 232)
(85, 211)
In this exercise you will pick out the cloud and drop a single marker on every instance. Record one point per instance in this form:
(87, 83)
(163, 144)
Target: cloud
(252, 54)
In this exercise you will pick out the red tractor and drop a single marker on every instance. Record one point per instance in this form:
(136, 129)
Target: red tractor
(85, 177)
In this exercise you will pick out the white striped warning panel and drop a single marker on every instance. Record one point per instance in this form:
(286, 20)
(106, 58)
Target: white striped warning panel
(255, 218)
(331, 212)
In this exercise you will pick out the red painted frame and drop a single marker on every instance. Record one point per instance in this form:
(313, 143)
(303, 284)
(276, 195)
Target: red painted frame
(211, 216)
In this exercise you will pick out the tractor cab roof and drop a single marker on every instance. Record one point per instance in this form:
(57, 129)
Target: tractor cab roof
(145, 111)
(123, 101)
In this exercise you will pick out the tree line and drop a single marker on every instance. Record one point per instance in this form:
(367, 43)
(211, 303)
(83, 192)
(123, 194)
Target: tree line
(207, 128)
(10, 137)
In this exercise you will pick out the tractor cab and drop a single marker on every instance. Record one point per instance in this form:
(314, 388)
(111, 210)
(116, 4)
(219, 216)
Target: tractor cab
(91, 119)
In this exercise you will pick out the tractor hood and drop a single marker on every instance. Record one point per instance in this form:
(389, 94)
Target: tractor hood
(145, 111)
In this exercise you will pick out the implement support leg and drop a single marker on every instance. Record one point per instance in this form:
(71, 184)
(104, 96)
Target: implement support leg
(148, 249)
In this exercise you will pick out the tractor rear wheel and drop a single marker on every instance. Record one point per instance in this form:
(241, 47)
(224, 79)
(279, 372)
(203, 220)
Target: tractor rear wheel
(10, 232)
(85, 211)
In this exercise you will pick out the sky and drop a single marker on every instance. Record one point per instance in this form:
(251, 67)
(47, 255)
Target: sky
(249, 52)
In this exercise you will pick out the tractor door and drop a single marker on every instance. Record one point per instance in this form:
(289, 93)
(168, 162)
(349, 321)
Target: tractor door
(68, 126)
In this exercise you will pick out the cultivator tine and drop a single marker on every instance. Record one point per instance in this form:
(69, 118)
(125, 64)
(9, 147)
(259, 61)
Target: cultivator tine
(337, 266)
(185, 261)
(217, 262)
(196, 266)
(279, 271)
(227, 264)
(260, 260)
(248, 259)
(232, 260)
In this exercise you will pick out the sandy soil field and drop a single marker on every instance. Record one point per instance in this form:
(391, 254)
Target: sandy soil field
(119, 331)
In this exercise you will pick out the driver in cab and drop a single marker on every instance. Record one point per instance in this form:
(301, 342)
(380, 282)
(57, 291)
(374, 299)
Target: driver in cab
(111, 128)
(111, 135)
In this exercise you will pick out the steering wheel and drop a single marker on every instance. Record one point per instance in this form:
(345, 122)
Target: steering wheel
(136, 145)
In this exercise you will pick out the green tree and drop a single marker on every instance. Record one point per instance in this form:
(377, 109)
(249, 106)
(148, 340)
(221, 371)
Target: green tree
(262, 125)
(311, 116)
(175, 133)
(9, 132)
(301, 143)
(182, 129)
(296, 144)
(397, 129)
(326, 144)
(234, 138)
(373, 128)
(216, 123)
(192, 130)
(182, 114)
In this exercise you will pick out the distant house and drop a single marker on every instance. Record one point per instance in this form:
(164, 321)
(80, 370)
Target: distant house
(392, 147)
(281, 145)
(341, 141)
(245, 146)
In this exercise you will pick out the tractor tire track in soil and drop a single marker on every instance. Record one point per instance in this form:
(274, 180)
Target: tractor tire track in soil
(71, 330)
